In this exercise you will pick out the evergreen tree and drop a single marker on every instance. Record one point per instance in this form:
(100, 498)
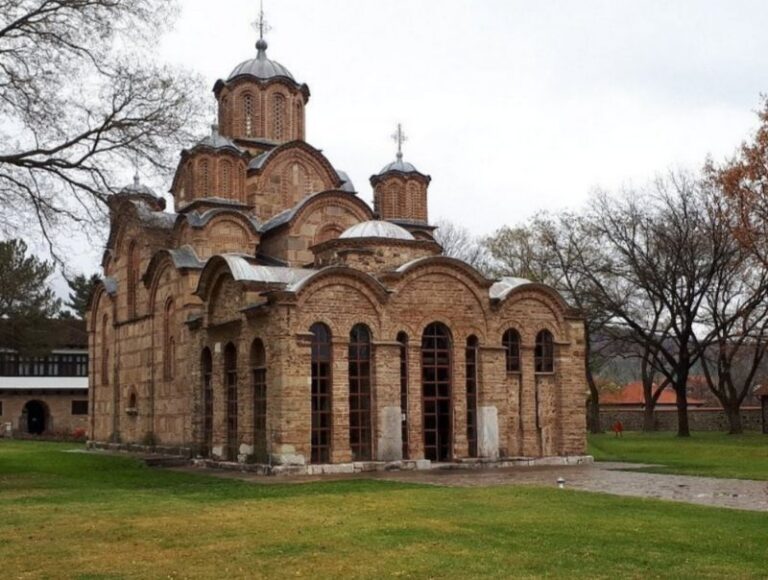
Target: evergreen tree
(26, 299)
(82, 289)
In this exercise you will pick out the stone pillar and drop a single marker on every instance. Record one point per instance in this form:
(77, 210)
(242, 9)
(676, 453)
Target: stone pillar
(218, 387)
(244, 401)
(289, 403)
(415, 418)
(459, 445)
(530, 441)
(492, 403)
(572, 392)
(340, 450)
(386, 387)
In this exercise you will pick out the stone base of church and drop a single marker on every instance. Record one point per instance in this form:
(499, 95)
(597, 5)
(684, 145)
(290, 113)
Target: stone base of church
(167, 455)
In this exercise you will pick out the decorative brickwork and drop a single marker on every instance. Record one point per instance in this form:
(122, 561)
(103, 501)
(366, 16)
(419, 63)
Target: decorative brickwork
(257, 324)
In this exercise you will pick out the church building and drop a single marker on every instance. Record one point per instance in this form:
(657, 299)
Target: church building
(275, 318)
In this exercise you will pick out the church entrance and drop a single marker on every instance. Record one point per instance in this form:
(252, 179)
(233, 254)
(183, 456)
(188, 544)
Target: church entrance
(37, 418)
(436, 392)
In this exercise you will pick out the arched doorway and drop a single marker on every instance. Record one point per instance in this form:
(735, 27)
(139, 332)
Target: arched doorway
(37, 417)
(436, 378)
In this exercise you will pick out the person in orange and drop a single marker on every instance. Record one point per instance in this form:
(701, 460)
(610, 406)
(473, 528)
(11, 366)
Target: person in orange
(618, 428)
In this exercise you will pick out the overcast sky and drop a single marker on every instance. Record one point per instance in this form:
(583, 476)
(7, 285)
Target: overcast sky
(512, 107)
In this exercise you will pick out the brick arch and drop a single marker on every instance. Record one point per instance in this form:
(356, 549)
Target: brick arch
(516, 308)
(225, 299)
(328, 232)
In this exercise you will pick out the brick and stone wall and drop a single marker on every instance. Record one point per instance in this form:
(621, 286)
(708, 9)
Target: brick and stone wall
(709, 419)
(59, 418)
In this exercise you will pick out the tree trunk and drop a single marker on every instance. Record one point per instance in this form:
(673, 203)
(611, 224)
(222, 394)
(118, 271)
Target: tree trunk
(649, 417)
(733, 413)
(593, 406)
(683, 430)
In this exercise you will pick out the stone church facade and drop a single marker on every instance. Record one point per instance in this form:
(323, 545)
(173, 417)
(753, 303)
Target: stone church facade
(275, 318)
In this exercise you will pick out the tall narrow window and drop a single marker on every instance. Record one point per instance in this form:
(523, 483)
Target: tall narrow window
(471, 368)
(230, 383)
(436, 376)
(133, 278)
(205, 178)
(544, 354)
(360, 393)
(278, 117)
(189, 188)
(299, 120)
(169, 342)
(511, 343)
(104, 351)
(259, 384)
(225, 178)
(321, 393)
(206, 366)
(248, 115)
(402, 338)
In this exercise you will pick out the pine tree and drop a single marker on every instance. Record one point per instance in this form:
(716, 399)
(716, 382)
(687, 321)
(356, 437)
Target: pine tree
(82, 289)
(26, 299)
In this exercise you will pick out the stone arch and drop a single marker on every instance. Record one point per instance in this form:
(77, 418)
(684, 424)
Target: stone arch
(328, 232)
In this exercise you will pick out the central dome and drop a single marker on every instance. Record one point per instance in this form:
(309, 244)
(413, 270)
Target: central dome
(377, 229)
(261, 67)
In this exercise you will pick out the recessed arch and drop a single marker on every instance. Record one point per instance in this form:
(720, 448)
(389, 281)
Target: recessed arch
(360, 394)
(321, 393)
(437, 391)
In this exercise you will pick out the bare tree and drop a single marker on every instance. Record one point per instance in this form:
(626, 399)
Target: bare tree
(458, 242)
(666, 247)
(82, 100)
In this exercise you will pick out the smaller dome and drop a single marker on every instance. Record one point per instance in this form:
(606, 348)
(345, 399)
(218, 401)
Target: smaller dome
(399, 165)
(377, 229)
(261, 67)
(137, 188)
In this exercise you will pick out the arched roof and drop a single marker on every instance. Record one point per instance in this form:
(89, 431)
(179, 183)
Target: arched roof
(506, 287)
(377, 229)
(448, 262)
(243, 269)
(305, 204)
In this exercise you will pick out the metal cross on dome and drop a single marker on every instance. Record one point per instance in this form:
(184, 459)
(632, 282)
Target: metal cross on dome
(261, 23)
(399, 137)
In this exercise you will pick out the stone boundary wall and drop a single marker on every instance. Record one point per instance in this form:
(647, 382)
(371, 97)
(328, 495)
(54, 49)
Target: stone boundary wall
(701, 419)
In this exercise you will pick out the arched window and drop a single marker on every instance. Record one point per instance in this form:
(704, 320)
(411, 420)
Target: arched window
(132, 402)
(169, 342)
(402, 338)
(436, 377)
(471, 368)
(230, 384)
(299, 114)
(544, 354)
(322, 358)
(511, 343)
(205, 178)
(259, 384)
(206, 366)
(278, 117)
(133, 278)
(360, 393)
(104, 351)
(249, 124)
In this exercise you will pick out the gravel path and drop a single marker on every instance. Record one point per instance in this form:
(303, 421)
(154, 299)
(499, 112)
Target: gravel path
(604, 477)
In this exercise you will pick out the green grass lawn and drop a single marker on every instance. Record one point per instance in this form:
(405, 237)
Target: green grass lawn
(711, 454)
(76, 515)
